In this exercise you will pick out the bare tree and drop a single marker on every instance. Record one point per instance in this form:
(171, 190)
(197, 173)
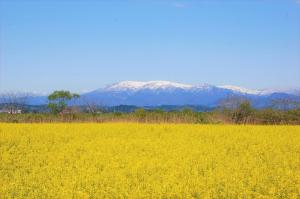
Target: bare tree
(286, 104)
(242, 113)
(91, 106)
(13, 102)
(231, 102)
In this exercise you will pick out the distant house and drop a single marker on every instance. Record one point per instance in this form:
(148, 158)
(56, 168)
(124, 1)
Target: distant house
(17, 111)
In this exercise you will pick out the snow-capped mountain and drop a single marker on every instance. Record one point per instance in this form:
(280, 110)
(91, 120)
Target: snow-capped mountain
(156, 93)
(167, 85)
(242, 90)
(151, 85)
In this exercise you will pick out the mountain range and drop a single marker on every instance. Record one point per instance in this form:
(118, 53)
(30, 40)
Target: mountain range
(158, 93)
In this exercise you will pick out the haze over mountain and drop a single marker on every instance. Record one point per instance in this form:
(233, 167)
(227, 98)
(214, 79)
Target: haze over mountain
(157, 93)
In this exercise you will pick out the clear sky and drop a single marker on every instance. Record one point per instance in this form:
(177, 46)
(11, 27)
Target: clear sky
(85, 44)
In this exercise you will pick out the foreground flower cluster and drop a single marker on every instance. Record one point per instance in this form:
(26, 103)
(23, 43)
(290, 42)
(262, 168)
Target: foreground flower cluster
(149, 161)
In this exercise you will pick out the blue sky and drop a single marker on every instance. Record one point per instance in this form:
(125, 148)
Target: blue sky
(83, 45)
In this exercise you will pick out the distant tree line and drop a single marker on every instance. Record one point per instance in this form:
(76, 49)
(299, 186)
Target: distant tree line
(232, 110)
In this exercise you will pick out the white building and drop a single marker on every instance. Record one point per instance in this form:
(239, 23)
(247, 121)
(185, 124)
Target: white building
(14, 111)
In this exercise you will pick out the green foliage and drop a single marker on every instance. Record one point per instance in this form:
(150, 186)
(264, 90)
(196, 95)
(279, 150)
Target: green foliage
(58, 100)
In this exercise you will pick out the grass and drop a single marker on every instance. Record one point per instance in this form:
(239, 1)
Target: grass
(128, 160)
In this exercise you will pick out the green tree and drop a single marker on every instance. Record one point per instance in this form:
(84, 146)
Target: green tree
(58, 100)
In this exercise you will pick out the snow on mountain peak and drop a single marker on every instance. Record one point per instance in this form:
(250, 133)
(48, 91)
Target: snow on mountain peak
(138, 85)
(165, 85)
(241, 90)
(126, 85)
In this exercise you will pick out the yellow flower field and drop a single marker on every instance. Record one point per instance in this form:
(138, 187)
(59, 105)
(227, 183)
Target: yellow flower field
(149, 161)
